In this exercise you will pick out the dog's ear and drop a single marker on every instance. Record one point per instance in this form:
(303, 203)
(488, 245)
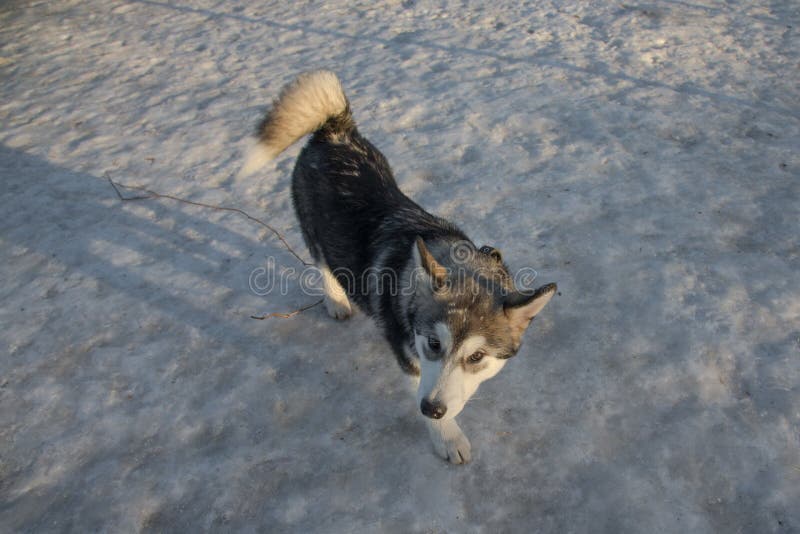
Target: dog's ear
(493, 252)
(521, 308)
(426, 260)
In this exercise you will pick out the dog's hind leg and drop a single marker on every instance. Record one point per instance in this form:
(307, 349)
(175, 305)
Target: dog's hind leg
(336, 301)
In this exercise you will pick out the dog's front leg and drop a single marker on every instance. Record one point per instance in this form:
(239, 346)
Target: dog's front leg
(449, 441)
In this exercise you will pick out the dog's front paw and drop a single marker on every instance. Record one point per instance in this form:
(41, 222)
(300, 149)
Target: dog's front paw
(455, 450)
(338, 307)
(449, 441)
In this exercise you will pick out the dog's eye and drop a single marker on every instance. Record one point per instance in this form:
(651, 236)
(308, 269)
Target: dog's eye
(475, 357)
(434, 344)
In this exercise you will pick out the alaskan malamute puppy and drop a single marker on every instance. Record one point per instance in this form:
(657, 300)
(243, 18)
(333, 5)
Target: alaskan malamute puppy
(449, 310)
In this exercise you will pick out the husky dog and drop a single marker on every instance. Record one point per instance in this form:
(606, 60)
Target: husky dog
(449, 310)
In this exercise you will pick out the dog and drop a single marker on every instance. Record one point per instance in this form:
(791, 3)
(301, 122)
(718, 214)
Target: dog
(449, 310)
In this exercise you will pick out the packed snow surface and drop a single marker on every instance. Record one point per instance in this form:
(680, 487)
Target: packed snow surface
(644, 155)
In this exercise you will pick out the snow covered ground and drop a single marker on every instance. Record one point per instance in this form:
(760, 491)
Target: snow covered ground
(644, 155)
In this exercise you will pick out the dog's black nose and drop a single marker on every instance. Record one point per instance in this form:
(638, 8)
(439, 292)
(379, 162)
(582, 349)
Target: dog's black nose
(434, 410)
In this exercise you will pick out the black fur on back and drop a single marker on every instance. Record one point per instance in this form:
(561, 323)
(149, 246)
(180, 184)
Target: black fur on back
(352, 213)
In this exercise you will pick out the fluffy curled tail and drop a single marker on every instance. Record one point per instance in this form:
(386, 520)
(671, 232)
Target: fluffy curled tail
(303, 107)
